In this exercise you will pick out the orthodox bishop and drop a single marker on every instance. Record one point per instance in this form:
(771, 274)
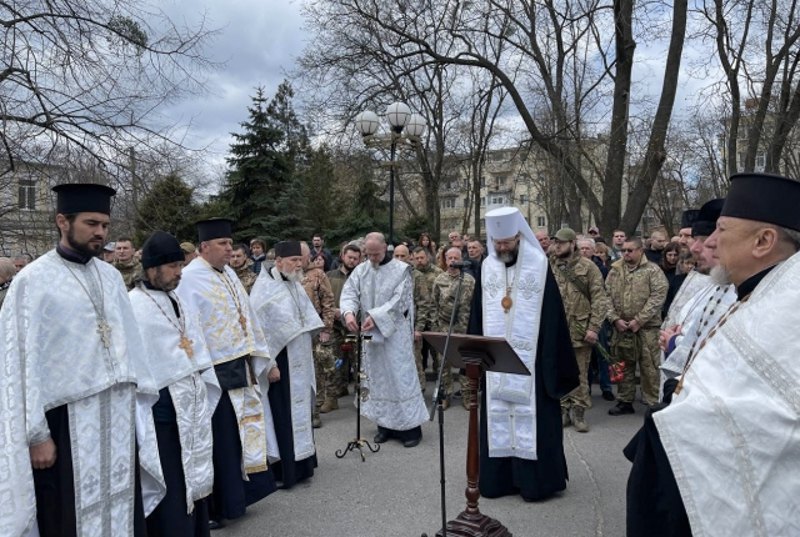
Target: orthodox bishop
(522, 448)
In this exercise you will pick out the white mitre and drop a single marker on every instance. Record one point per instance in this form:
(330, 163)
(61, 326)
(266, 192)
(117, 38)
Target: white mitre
(506, 222)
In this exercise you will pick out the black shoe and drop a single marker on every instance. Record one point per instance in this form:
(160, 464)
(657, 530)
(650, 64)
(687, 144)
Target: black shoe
(413, 442)
(621, 408)
(381, 437)
(215, 524)
(608, 395)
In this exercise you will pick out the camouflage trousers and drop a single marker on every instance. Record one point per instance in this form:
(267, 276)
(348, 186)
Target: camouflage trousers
(639, 349)
(447, 376)
(342, 364)
(324, 370)
(579, 397)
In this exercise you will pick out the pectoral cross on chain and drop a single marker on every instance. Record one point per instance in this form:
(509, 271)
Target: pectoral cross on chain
(186, 345)
(243, 323)
(104, 330)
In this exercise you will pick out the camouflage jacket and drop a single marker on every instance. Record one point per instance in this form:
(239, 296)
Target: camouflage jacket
(444, 297)
(423, 297)
(130, 271)
(318, 288)
(246, 275)
(583, 293)
(636, 293)
(337, 277)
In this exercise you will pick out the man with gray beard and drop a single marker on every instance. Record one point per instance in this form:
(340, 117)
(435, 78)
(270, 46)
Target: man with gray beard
(700, 313)
(722, 457)
(285, 312)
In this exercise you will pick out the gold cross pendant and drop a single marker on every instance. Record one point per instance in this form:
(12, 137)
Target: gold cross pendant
(186, 345)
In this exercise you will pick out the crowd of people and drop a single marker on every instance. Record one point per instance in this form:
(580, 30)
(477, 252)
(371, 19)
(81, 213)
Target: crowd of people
(162, 390)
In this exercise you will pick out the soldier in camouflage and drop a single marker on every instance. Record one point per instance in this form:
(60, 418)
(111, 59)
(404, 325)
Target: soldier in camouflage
(637, 289)
(349, 259)
(445, 287)
(425, 273)
(586, 306)
(125, 262)
(318, 289)
(242, 265)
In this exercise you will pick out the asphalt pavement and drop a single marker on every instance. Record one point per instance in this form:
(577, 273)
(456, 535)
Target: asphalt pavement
(396, 492)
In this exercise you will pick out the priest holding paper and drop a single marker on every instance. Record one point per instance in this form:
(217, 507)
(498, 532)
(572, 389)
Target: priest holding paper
(242, 422)
(284, 311)
(177, 355)
(381, 290)
(72, 344)
(522, 448)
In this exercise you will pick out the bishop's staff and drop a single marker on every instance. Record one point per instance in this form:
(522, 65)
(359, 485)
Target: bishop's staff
(362, 394)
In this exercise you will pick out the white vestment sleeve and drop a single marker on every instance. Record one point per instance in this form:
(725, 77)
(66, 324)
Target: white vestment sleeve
(393, 313)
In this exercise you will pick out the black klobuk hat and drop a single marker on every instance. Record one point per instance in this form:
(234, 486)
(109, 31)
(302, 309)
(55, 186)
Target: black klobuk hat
(73, 198)
(161, 248)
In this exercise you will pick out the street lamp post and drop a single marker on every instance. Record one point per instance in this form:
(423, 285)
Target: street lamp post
(400, 119)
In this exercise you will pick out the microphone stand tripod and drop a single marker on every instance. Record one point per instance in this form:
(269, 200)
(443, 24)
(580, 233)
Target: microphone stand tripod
(358, 443)
(438, 400)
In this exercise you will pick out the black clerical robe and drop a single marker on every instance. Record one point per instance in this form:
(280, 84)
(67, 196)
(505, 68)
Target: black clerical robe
(556, 374)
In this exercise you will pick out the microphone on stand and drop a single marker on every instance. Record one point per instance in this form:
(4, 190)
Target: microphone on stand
(462, 264)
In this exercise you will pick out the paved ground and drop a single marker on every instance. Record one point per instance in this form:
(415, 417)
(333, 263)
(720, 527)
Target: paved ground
(396, 491)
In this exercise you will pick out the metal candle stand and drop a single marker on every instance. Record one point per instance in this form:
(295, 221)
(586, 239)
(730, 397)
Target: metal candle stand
(358, 443)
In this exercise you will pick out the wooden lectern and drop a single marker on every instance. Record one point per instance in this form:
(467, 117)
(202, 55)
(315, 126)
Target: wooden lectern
(476, 354)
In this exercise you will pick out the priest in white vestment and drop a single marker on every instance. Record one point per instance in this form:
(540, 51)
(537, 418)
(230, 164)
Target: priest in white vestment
(242, 423)
(700, 311)
(522, 448)
(178, 358)
(286, 314)
(379, 292)
(72, 342)
(723, 458)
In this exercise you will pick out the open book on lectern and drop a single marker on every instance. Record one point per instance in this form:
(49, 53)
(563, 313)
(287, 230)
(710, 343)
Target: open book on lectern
(498, 355)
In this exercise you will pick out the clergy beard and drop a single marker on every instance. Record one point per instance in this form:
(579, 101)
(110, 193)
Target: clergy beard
(85, 248)
(720, 275)
(294, 276)
(509, 258)
(161, 282)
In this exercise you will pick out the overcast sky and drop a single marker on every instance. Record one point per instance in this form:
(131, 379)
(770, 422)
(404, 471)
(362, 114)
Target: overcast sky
(258, 42)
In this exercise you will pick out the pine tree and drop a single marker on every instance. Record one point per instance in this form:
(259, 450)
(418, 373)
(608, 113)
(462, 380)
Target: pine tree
(167, 207)
(264, 190)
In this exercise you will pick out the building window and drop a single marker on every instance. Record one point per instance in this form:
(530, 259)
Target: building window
(448, 203)
(27, 194)
(466, 202)
(483, 181)
(761, 161)
(540, 221)
(523, 198)
(483, 201)
(497, 200)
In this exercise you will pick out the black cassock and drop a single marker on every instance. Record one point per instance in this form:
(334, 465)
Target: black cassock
(232, 494)
(556, 374)
(170, 518)
(653, 502)
(55, 486)
(287, 470)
